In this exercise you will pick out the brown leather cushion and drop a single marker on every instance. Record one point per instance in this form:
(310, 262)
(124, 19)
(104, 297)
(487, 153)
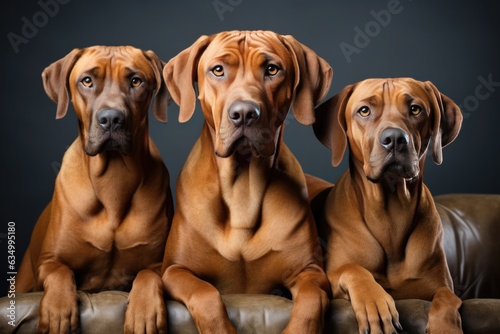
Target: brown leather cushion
(471, 224)
(104, 313)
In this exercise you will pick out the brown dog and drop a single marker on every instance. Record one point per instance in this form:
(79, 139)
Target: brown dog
(107, 223)
(242, 223)
(385, 234)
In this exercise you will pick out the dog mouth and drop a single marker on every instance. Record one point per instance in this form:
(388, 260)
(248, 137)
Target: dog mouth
(408, 172)
(246, 145)
(395, 168)
(109, 142)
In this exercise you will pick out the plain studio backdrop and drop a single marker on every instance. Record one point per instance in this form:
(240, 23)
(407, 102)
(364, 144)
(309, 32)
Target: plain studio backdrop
(453, 44)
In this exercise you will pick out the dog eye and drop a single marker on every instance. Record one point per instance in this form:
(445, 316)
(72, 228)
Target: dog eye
(415, 109)
(135, 82)
(218, 71)
(272, 70)
(364, 111)
(87, 82)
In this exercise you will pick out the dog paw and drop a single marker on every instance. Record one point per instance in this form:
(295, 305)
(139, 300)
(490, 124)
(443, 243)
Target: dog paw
(446, 323)
(209, 312)
(148, 317)
(58, 313)
(146, 311)
(375, 311)
(443, 329)
(444, 316)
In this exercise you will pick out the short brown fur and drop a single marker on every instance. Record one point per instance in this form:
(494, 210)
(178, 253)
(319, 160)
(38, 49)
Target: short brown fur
(385, 236)
(107, 223)
(243, 224)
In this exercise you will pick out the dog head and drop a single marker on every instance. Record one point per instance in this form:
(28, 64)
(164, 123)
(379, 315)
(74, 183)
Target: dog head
(247, 81)
(388, 124)
(111, 88)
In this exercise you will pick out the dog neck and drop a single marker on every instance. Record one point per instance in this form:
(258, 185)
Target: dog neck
(112, 173)
(243, 179)
(393, 202)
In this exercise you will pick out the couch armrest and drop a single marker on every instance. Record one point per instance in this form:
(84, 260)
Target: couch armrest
(104, 313)
(471, 224)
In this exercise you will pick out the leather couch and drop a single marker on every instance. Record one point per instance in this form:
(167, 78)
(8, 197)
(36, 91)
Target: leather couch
(472, 243)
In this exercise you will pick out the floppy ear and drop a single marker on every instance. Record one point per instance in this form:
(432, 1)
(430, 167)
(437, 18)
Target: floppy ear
(55, 81)
(180, 76)
(330, 126)
(162, 97)
(313, 77)
(447, 121)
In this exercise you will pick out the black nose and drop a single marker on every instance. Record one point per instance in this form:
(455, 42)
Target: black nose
(110, 119)
(394, 139)
(244, 113)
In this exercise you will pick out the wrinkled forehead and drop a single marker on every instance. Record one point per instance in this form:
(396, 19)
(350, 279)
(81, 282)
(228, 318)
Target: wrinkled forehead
(377, 91)
(117, 58)
(242, 45)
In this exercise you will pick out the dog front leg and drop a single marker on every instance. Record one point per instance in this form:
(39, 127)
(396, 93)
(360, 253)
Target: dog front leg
(146, 311)
(310, 290)
(374, 308)
(202, 299)
(444, 317)
(59, 306)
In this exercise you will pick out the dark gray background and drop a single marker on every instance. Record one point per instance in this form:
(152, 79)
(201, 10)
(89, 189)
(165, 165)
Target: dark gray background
(453, 44)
